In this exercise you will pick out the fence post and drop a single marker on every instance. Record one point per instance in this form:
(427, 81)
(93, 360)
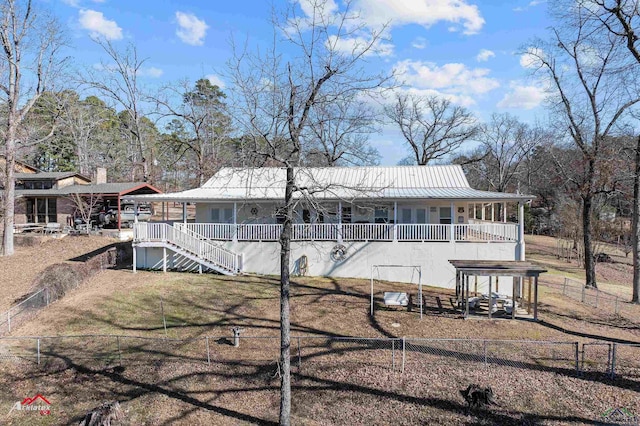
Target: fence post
(577, 355)
(393, 354)
(403, 352)
(164, 320)
(613, 361)
(299, 355)
(119, 352)
(208, 352)
(38, 351)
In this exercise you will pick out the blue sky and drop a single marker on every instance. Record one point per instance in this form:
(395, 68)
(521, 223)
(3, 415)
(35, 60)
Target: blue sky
(466, 50)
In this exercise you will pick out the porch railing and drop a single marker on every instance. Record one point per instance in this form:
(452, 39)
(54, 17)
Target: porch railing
(486, 232)
(188, 240)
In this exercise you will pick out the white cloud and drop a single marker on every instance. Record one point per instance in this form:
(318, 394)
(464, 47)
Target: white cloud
(215, 80)
(531, 59)
(484, 55)
(523, 97)
(152, 72)
(358, 44)
(72, 3)
(98, 25)
(422, 12)
(419, 43)
(191, 30)
(532, 3)
(453, 80)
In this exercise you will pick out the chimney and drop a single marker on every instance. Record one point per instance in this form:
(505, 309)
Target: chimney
(101, 175)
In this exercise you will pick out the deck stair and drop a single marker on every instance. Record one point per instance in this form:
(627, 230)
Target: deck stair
(189, 244)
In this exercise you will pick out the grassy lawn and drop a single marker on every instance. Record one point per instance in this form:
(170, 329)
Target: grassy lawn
(335, 384)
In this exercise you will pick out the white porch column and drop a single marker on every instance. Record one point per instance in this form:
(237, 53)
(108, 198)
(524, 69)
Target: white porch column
(164, 259)
(395, 221)
(493, 212)
(135, 212)
(184, 212)
(453, 221)
(235, 222)
(482, 213)
(475, 215)
(504, 212)
(521, 230)
(340, 222)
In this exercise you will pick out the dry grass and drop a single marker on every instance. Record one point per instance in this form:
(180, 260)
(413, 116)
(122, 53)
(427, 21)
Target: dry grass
(20, 271)
(339, 387)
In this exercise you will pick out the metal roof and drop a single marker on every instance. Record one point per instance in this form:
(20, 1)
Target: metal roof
(120, 188)
(48, 175)
(346, 183)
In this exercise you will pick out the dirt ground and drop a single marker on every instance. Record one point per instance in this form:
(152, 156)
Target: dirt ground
(340, 387)
(20, 271)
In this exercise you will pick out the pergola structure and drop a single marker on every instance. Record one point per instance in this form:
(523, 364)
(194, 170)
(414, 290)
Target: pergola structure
(497, 268)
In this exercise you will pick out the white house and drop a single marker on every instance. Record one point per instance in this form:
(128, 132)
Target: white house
(346, 220)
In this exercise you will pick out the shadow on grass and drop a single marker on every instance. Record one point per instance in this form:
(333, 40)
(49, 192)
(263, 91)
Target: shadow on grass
(258, 379)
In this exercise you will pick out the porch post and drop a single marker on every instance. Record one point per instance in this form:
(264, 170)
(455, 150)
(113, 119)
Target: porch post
(235, 221)
(520, 230)
(135, 210)
(340, 221)
(493, 212)
(395, 221)
(162, 210)
(504, 212)
(482, 213)
(119, 216)
(453, 221)
(475, 213)
(535, 298)
(184, 212)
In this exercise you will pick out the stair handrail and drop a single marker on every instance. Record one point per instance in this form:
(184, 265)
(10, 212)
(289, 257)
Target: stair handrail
(185, 238)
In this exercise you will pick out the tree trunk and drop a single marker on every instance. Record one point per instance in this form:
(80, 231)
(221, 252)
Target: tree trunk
(285, 325)
(635, 228)
(9, 188)
(589, 261)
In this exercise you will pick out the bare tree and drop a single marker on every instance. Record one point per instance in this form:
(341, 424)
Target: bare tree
(278, 96)
(593, 86)
(432, 126)
(621, 18)
(200, 126)
(505, 144)
(118, 80)
(341, 131)
(85, 206)
(30, 62)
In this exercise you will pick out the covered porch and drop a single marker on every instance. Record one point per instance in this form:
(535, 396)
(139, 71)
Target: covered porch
(393, 220)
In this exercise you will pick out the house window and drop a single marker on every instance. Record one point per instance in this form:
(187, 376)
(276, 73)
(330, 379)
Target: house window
(221, 215)
(52, 212)
(346, 215)
(306, 216)
(421, 216)
(406, 216)
(381, 215)
(445, 215)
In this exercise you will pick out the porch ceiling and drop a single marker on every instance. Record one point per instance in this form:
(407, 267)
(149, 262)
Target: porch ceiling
(344, 194)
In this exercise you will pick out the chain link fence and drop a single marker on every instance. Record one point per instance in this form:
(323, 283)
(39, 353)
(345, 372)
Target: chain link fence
(24, 309)
(605, 302)
(399, 354)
